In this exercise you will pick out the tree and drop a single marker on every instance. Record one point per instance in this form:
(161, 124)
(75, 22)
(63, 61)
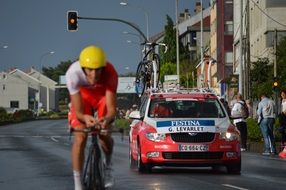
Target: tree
(54, 73)
(167, 69)
(261, 75)
(169, 60)
(281, 63)
(170, 41)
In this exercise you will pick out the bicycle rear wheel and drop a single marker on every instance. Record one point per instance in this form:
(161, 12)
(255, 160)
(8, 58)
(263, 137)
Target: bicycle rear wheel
(154, 71)
(140, 83)
(156, 59)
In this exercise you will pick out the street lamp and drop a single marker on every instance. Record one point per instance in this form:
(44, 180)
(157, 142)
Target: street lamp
(137, 43)
(39, 76)
(134, 34)
(4, 47)
(145, 13)
(42, 57)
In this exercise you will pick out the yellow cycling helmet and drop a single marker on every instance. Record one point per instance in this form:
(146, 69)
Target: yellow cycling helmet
(92, 57)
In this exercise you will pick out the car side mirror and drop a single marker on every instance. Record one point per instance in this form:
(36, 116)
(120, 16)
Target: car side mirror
(135, 115)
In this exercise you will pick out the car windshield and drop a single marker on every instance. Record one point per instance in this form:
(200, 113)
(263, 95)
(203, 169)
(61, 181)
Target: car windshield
(185, 108)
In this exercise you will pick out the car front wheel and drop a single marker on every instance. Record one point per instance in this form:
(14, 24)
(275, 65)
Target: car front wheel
(143, 168)
(234, 168)
(132, 162)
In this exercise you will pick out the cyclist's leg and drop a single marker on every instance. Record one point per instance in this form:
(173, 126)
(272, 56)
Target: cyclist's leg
(78, 146)
(106, 143)
(105, 140)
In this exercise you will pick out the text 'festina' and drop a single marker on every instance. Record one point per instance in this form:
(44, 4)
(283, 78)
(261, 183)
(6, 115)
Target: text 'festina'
(185, 123)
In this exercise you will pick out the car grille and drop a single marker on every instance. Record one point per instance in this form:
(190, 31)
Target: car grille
(192, 155)
(195, 138)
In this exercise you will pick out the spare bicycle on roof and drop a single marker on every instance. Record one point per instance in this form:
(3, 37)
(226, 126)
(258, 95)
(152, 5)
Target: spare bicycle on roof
(148, 70)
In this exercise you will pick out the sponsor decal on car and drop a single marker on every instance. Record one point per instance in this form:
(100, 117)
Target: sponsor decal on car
(182, 126)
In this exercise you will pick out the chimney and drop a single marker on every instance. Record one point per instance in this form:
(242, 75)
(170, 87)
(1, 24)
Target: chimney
(198, 7)
(184, 16)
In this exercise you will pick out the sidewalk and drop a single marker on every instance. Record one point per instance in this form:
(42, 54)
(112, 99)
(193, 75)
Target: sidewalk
(259, 147)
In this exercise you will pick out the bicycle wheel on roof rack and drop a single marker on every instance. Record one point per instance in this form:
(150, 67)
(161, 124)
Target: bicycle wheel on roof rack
(140, 82)
(156, 60)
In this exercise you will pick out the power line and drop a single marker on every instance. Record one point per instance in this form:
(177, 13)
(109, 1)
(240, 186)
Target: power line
(267, 14)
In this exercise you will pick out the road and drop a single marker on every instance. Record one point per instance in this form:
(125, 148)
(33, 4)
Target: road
(36, 155)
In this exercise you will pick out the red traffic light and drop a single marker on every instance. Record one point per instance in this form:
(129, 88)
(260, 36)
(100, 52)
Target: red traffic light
(72, 20)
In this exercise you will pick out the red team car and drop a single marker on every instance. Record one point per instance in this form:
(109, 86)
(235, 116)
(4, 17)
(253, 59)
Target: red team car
(183, 128)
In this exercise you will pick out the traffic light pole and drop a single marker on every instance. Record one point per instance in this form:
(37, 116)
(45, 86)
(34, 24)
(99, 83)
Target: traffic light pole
(116, 20)
(275, 72)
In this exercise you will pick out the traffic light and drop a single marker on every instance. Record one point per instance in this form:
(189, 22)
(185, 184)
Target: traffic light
(72, 20)
(275, 85)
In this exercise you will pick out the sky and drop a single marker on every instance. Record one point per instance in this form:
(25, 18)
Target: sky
(33, 28)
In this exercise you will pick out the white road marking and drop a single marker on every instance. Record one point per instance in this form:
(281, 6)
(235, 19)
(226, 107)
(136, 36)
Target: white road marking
(234, 187)
(54, 138)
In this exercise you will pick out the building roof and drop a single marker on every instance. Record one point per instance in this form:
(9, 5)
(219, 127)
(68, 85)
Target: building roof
(42, 78)
(193, 22)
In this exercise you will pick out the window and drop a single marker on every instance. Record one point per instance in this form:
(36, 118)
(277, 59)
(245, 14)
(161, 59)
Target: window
(14, 104)
(186, 109)
(228, 27)
(228, 58)
(4, 76)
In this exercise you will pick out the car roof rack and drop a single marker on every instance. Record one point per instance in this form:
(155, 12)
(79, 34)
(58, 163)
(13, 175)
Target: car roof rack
(181, 90)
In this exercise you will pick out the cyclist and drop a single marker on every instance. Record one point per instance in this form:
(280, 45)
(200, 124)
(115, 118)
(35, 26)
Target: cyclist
(92, 84)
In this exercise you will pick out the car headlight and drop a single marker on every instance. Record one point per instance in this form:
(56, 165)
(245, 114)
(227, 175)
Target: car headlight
(229, 136)
(155, 137)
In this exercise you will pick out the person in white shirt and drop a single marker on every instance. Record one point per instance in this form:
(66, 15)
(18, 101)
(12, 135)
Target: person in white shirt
(239, 121)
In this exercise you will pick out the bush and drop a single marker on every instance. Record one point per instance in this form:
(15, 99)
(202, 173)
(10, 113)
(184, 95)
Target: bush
(3, 111)
(22, 115)
(122, 124)
(4, 116)
(254, 132)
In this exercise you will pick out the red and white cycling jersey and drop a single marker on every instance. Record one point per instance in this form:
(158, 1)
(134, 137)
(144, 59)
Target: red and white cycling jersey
(93, 96)
(75, 79)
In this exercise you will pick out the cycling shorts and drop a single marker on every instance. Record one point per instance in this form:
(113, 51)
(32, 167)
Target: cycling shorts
(92, 99)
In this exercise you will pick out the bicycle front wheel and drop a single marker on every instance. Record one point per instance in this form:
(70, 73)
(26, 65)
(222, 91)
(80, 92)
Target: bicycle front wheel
(140, 83)
(93, 178)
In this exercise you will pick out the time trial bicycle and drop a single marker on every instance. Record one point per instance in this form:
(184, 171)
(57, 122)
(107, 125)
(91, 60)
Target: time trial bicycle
(93, 177)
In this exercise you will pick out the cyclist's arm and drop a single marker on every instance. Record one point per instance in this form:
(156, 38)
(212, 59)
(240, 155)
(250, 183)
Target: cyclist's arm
(111, 107)
(77, 104)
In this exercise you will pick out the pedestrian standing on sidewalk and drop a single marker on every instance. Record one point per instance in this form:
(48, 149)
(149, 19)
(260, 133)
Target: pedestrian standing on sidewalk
(249, 104)
(282, 119)
(266, 119)
(239, 119)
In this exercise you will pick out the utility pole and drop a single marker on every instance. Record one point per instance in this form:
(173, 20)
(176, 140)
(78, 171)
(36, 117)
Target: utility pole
(247, 54)
(177, 44)
(240, 79)
(275, 54)
(202, 49)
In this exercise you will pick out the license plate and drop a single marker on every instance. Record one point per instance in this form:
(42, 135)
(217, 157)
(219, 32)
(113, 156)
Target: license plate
(193, 148)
